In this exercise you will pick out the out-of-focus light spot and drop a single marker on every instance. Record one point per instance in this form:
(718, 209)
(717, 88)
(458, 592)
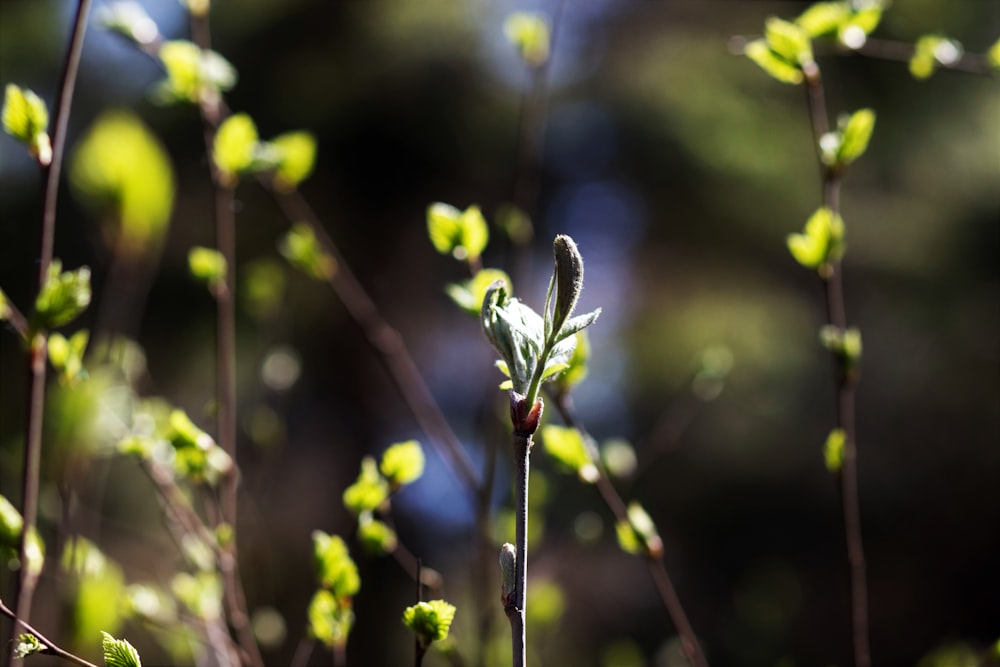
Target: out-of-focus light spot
(854, 37)
(619, 457)
(268, 627)
(588, 527)
(281, 368)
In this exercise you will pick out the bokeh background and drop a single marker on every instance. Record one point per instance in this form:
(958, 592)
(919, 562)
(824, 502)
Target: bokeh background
(679, 168)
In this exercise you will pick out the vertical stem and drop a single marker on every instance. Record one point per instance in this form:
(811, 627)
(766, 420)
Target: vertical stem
(25, 582)
(518, 631)
(836, 314)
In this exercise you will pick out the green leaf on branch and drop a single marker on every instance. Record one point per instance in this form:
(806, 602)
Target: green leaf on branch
(788, 41)
(402, 463)
(369, 491)
(330, 622)
(196, 454)
(208, 265)
(566, 446)
(236, 146)
(26, 118)
(462, 234)
(430, 621)
(129, 19)
(375, 536)
(779, 68)
(62, 298)
(469, 295)
(821, 243)
(931, 51)
(335, 569)
(576, 365)
(119, 653)
(302, 250)
(66, 355)
(638, 535)
(855, 134)
(193, 75)
(823, 18)
(28, 644)
(123, 174)
(296, 155)
(529, 32)
(833, 450)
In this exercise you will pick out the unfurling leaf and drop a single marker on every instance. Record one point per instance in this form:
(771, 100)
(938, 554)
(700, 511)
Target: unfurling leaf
(931, 51)
(788, 41)
(27, 644)
(235, 147)
(302, 250)
(462, 234)
(296, 155)
(369, 491)
(566, 445)
(26, 118)
(469, 295)
(402, 463)
(119, 653)
(330, 621)
(193, 75)
(779, 68)
(529, 32)
(376, 537)
(822, 241)
(833, 450)
(430, 621)
(856, 133)
(335, 569)
(63, 296)
(823, 18)
(638, 535)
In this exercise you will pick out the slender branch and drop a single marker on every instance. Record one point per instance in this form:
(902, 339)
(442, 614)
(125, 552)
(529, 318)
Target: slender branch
(668, 595)
(25, 580)
(16, 319)
(387, 343)
(516, 612)
(886, 49)
(52, 647)
(211, 112)
(845, 400)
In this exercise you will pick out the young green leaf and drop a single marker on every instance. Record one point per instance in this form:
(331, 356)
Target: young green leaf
(235, 147)
(576, 365)
(402, 463)
(779, 68)
(26, 118)
(376, 537)
(302, 250)
(639, 535)
(822, 241)
(855, 136)
(823, 18)
(462, 234)
(931, 51)
(129, 19)
(369, 491)
(27, 644)
(335, 569)
(119, 653)
(208, 265)
(66, 355)
(122, 173)
(193, 75)
(296, 155)
(430, 621)
(566, 446)
(854, 32)
(470, 294)
(62, 298)
(833, 450)
(788, 41)
(529, 32)
(329, 621)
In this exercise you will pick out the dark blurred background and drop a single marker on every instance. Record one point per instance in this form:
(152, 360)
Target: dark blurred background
(679, 168)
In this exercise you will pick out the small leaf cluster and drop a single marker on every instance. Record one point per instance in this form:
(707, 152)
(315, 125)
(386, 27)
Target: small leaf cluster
(530, 34)
(566, 445)
(122, 172)
(26, 118)
(849, 141)
(66, 355)
(209, 266)
(930, 51)
(11, 526)
(430, 621)
(27, 644)
(331, 616)
(533, 347)
(238, 150)
(194, 75)
(849, 22)
(303, 251)
(119, 653)
(461, 234)
(845, 346)
(821, 243)
(401, 464)
(638, 535)
(62, 298)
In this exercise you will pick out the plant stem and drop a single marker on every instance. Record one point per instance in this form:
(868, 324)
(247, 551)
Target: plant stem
(25, 581)
(50, 645)
(664, 586)
(836, 314)
(518, 631)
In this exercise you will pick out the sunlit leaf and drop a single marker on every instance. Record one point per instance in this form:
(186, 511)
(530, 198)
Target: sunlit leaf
(207, 265)
(329, 621)
(856, 134)
(193, 75)
(788, 41)
(470, 294)
(462, 234)
(26, 118)
(403, 463)
(369, 491)
(122, 173)
(302, 250)
(335, 569)
(63, 296)
(822, 241)
(296, 155)
(119, 653)
(430, 621)
(780, 69)
(566, 446)
(235, 146)
(529, 32)
(376, 537)
(823, 18)
(833, 450)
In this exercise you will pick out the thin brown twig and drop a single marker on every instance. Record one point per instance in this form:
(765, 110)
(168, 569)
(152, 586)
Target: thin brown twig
(664, 586)
(887, 49)
(16, 319)
(845, 388)
(51, 646)
(25, 579)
